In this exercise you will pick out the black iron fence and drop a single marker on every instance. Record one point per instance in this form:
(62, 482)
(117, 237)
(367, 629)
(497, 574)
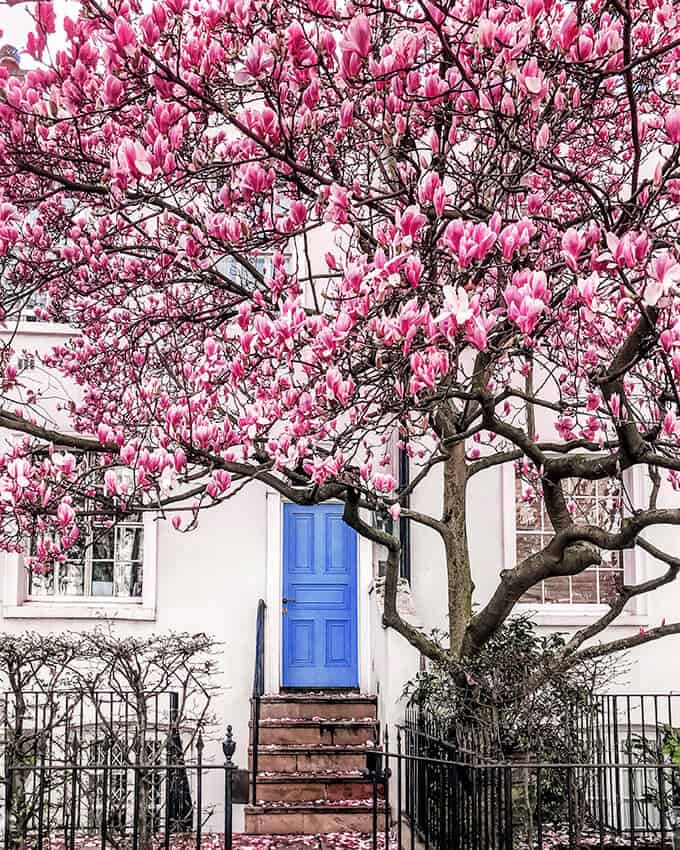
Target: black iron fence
(452, 790)
(115, 768)
(108, 800)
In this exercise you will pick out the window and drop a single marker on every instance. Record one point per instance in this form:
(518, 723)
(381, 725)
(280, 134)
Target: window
(106, 561)
(233, 269)
(111, 574)
(593, 502)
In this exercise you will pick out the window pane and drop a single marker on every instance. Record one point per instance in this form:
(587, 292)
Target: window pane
(529, 516)
(609, 580)
(127, 578)
(534, 594)
(129, 542)
(528, 544)
(71, 580)
(557, 589)
(102, 544)
(584, 587)
(102, 578)
(41, 581)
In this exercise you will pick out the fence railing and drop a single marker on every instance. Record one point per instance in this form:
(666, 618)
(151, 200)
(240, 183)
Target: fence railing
(451, 792)
(258, 692)
(111, 801)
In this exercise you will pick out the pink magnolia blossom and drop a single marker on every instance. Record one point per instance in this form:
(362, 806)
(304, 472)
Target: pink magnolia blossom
(468, 242)
(527, 297)
(355, 45)
(664, 273)
(573, 243)
(673, 125)
(283, 232)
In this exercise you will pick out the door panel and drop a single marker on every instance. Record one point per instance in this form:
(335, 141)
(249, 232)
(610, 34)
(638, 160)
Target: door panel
(320, 584)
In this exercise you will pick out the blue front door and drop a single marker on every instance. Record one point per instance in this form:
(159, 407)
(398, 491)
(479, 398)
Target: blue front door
(319, 598)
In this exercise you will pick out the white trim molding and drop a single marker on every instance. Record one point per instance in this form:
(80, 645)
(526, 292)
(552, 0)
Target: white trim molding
(17, 606)
(274, 593)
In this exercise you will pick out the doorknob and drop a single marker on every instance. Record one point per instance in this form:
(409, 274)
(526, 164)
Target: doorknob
(286, 601)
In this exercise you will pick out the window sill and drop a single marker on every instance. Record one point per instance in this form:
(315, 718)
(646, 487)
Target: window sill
(29, 328)
(77, 611)
(547, 616)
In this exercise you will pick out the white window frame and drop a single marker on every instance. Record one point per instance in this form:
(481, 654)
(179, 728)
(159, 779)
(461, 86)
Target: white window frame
(577, 613)
(18, 604)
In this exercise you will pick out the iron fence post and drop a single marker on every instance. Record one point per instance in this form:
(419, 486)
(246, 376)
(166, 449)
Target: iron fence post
(105, 791)
(228, 747)
(74, 790)
(199, 788)
(8, 802)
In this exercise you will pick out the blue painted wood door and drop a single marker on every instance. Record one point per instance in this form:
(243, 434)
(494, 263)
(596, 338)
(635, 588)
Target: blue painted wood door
(320, 598)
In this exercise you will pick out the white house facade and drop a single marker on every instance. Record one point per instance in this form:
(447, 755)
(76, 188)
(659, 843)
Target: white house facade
(321, 586)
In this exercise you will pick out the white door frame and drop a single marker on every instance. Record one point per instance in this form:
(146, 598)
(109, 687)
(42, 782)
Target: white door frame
(274, 593)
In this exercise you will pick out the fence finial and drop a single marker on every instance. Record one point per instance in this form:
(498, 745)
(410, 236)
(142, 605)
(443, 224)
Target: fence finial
(228, 745)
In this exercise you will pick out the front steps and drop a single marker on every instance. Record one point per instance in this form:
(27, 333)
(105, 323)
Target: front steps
(311, 765)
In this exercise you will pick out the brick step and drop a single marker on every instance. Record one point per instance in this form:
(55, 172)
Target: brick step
(292, 759)
(286, 787)
(311, 706)
(332, 733)
(310, 818)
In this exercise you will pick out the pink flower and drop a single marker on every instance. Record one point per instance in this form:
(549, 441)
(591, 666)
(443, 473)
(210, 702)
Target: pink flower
(338, 205)
(573, 244)
(629, 250)
(111, 90)
(532, 79)
(65, 514)
(110, 483)
(19, 471)
(468, 241)
(543, 137)
(664, 273)
(124, 36)
(516, 236)
(384, 483)
(673, 125)
(179, 459)
(456, 306)
(526, 298)
(568, 31)
(133, 159)
(410, 223)
(258, 63)
(355, 45)
(45, 17)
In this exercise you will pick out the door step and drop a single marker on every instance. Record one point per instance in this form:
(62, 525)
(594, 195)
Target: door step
(325, 705)
(311, 763)
(307, 787)
(318, 732)
(292, 759)
(311, 818)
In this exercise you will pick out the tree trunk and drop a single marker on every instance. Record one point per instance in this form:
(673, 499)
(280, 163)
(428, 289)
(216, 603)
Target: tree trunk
(459, 577)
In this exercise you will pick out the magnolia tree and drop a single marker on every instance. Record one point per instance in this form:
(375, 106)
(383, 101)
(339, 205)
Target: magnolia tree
(497, 187)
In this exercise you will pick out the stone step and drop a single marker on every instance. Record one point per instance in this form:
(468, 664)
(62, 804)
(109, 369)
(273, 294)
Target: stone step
(310, 818)
(292, 759)
(286, 787)
(328, 706)
(330, 733)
